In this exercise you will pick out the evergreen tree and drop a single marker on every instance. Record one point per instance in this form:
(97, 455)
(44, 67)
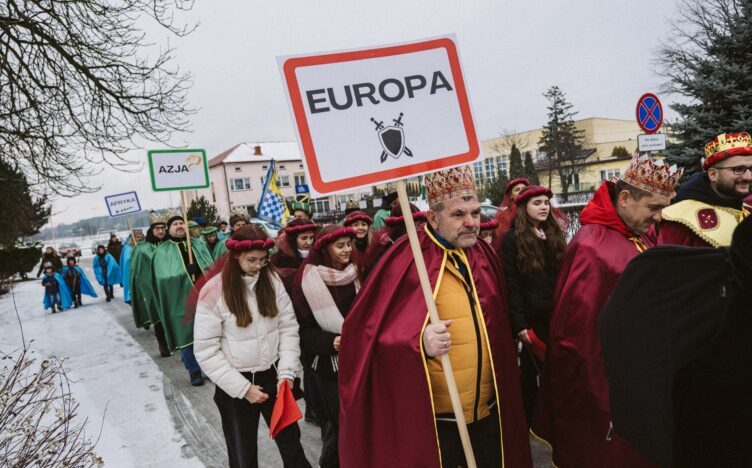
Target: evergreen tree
(620, 152)
(201, 207)
(23, 212)
(707, 61)
(530, 171)
(516, 169)
(561, 140)
(493, 190)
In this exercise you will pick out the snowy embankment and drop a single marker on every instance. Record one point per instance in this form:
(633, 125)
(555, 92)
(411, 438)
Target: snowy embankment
(118, 386)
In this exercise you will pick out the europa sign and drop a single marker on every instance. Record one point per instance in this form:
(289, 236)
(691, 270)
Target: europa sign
(178, 169)
(369, 116)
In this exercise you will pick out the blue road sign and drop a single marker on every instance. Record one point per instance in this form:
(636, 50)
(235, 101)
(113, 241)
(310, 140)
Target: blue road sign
(649, 113)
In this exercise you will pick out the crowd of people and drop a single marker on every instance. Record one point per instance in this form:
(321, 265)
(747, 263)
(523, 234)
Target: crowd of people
(341, 306)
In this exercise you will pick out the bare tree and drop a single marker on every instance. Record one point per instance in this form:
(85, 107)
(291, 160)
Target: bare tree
(507, 139)
(80, 83)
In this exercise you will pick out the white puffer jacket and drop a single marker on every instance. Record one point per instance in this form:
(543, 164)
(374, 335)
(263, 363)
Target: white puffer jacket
(224, 350)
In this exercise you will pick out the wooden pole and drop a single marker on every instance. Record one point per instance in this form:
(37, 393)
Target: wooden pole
(433, 313)
(187, 229)
(133, 235)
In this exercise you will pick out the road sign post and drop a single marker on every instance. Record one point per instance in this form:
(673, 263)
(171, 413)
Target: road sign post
(382, 114)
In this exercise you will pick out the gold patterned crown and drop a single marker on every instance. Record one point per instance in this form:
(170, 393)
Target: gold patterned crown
(172, 213)
(155, 218)
(352, 204)
(652, 176)
(726, 145)
(450, 183)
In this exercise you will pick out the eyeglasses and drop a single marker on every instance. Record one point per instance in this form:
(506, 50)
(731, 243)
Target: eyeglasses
(262, 262)
(738, 170)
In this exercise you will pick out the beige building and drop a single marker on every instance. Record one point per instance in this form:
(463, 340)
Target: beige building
(237, 178)
(597, 163)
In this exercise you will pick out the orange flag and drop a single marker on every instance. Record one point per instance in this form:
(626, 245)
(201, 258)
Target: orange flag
(285, 410)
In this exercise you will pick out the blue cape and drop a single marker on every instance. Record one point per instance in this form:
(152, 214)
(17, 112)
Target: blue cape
(113, 270)
(125, 270)
(86, 287)
(65, 297)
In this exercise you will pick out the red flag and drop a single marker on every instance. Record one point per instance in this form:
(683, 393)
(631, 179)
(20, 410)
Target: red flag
(285, 410)
(536, 345)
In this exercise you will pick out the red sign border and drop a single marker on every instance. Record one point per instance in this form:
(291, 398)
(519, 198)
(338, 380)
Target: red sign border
(637, 113)
(309, 152)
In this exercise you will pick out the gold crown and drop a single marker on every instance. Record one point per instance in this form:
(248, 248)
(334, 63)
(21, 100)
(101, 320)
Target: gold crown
(726, 145)
(652, 176)
(450, 183)
(172, 213)
(155, 217)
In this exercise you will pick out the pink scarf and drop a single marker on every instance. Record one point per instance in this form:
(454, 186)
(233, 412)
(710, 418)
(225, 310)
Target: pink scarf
(316, 278)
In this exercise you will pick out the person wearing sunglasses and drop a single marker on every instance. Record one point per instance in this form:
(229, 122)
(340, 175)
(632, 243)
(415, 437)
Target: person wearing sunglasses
(710, 205)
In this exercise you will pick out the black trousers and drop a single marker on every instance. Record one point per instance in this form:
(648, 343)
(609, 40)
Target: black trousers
(329, 390)
(240, 420)
(161, 339)
(109, 291)
(530, 371)
(485, 438)
(75, 290)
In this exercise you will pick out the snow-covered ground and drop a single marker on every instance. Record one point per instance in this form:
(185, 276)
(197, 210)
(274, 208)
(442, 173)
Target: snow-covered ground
(118, 386)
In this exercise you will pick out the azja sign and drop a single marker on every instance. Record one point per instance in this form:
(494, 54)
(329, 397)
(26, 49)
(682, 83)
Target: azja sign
(369, 116)
(178, 169)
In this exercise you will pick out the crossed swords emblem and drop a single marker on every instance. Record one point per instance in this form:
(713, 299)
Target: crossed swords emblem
(392, 139)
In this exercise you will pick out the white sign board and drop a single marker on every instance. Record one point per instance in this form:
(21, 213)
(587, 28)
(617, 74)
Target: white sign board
(122, 204)
(178, 169)
(651, 142)
(369, 116)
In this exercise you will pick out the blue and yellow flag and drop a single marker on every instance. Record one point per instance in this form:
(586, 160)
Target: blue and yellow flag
(272, 207)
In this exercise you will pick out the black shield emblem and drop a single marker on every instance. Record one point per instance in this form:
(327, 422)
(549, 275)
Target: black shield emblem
(393, 141)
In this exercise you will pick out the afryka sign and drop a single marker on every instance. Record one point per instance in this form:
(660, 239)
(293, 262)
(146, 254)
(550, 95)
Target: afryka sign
(122, 204)
(370, 116)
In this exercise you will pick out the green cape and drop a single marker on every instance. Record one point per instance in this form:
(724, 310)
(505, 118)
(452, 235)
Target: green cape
(143, 300)
(219, 249)
(173, 284)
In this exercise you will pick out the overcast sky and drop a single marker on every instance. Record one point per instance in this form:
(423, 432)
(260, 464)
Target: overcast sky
(599, 52)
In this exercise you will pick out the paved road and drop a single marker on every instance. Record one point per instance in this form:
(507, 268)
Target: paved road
(198, 420)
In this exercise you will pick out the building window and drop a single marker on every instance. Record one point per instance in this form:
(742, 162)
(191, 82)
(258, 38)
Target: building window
(608, 174)
(489, 166)
(478, 170)
(501, 164)
(263, 168)
(284, 181)
(301, 166)
(281, 166)
(300, 179)
(321, 205)
(240, 184)
(237, 169)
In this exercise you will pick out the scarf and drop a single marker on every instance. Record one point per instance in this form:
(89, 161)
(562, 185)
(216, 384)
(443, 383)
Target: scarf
(316, 278)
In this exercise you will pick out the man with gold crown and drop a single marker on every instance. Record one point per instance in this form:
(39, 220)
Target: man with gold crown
(395, 405)
(710, 205)
(173, 274)
(143, 298)
(572, 412)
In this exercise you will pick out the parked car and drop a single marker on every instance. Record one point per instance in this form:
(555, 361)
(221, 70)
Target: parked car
(69, 249)
(271, 229)
(488, 209)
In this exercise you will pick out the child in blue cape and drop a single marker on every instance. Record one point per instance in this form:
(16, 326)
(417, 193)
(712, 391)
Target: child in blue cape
(56, 295)
(76, 281)
(107, 271)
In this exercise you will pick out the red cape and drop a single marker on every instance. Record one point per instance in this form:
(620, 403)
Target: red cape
(386, 416)
(674, 233)
(573, 412)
